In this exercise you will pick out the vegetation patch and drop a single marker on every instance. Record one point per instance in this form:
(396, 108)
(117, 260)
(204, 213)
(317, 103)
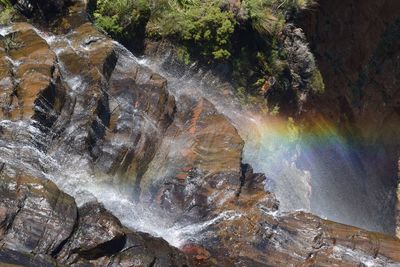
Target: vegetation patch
(10, 43)
(247, 37)
(123, 19)
(6, 12)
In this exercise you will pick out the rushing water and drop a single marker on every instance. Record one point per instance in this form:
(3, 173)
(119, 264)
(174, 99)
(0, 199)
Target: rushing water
(318, 171)
(321, 173)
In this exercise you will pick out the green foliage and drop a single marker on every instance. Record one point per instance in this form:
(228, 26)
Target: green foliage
(5, 3)
(183, 55)
(267, 16)
(122, 19)
(317, 82)
(6, 12)
(249, 39)
(200, 25)
(262, 17)
(11, 43)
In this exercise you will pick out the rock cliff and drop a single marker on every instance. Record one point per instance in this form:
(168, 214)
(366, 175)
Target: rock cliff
(356, 44)
(73, 100)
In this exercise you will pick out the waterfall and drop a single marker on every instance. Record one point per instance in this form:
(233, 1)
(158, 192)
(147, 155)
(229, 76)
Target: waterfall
(317, 171)
(295, 168)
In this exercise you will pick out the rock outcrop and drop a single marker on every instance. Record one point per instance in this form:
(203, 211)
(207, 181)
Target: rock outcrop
(356, 44)
(36, 217)
(72, 99)
(361, 81)
(256, 235)
(41, 225)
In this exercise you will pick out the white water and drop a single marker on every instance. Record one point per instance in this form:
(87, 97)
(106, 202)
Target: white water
(264, 149)
(324, 176)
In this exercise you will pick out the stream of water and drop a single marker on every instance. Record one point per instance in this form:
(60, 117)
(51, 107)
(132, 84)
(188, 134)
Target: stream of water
(323, 175)
(318, 171)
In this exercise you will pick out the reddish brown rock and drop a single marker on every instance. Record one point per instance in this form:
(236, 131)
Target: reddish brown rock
(255, 235)
(6, 84)
(199, 253)
(41, 225)
(179, 154)
(30, 67)
(36, 217)
(200, 167)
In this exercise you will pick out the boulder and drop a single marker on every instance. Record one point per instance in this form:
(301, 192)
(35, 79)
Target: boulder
(98, 233)
(20, 259)
(41, 225)
(100, 240)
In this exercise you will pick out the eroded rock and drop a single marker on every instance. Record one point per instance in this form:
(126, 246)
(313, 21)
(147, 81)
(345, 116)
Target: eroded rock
(257, 235)
(36, 217)
(82, 95)
(28, 70)
(39, 224)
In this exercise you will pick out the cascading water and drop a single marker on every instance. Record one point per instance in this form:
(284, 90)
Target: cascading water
(271, 147)
(31, 150)
(318, 171)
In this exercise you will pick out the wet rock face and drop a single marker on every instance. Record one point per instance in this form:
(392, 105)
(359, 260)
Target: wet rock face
(99, 239)
(41, 224)
(81, 95)
(96, 228)
(141, 109)
(36, 217)
(356, 44)
(88, 94)
(255, 235)
(20, 259)
(198, 162)
(28, 71)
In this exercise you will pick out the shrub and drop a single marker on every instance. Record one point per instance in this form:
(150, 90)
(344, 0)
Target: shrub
(202, 26)
(122, 19)
(262, 17)
(249, 37)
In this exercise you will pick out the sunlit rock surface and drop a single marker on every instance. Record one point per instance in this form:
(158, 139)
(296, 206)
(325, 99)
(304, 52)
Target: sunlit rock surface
(42, 225)
(293, 239)
(138, 154)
